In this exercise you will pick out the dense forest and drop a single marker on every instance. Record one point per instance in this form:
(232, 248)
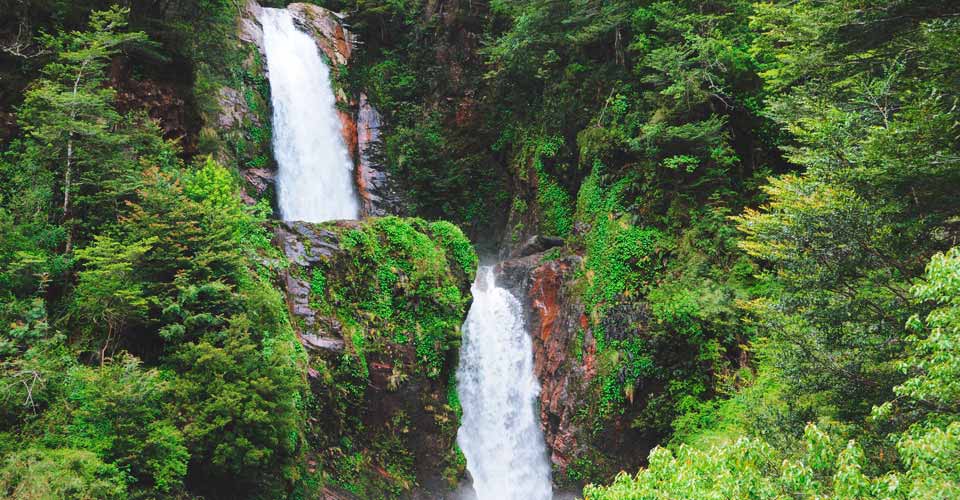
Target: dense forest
(756, 207)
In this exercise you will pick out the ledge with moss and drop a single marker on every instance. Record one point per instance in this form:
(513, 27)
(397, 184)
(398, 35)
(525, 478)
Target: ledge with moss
(379, 304)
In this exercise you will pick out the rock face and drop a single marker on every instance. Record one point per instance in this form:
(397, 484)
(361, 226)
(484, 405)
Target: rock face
(306, 246)
(554, 318)
(377, 195)
(536, 244)
(327, 28)
(367, 313)
(566, 365)
(236, 127)
(164, 103)
(249, 29)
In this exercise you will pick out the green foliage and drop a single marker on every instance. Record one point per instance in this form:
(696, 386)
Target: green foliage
(753, 469)
(619, 256)
(828, 468)
(146, 352)
(850, 310)
(41, 474)
(935, 360)
(846, 238)
(117, 412)
(115, 245)
(458, 248)
(108, 295)
(69, 119)
(397, 292)
(240, 417)
(403, 289)
(216, 188)
(431, 141)
(556, 204)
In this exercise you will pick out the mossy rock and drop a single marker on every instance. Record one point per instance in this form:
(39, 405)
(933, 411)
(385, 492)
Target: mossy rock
(379, 303)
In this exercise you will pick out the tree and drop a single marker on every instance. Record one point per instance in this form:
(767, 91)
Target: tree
(237, 404)
(118, 412)
(931, 394)
(928, 453)
(68, 113)
(108, 293)
(873, 125)
(35, 474)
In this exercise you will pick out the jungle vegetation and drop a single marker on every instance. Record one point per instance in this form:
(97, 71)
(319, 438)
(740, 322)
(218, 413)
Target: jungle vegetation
(776, 182)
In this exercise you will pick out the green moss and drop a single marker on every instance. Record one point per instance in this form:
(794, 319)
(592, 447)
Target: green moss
(620, 258)
(620, 263)
(399, 289)
(403, 286)
(551, 255)
(556, 206)
(537, 155)
(584, 469)
(457, 465)
(457, 246)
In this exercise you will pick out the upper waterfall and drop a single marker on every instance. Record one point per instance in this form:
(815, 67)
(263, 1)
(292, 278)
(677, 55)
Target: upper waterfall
(315, 174)
(500, 434)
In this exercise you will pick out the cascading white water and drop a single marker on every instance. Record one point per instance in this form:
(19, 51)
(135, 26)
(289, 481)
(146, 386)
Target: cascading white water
(314, 178)
(500, 434)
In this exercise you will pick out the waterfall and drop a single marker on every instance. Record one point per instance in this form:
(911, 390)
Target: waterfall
(500, 434)
(315, 174)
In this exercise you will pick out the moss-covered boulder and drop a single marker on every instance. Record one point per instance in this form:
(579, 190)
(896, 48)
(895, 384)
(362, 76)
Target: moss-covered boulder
(378, 304)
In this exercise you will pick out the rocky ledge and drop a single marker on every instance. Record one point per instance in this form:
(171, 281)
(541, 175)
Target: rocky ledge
(378, 306)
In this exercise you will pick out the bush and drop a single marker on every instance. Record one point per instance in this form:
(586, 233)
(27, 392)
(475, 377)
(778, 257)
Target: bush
(63, 473)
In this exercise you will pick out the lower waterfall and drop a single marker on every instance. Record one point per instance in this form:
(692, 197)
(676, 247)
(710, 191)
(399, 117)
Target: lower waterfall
(500, 434)
(315, 171)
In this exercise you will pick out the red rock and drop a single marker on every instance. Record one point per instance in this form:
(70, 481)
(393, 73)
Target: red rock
(349, 131)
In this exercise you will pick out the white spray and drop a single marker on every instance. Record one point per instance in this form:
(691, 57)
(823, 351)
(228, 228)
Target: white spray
(500, 434)
(314, 179)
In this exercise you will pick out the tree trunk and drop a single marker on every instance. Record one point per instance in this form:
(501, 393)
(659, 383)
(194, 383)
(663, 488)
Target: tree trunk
(68, 173)
(66, 195)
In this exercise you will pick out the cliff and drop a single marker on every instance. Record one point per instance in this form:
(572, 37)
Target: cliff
(582, 446)
(378, 305)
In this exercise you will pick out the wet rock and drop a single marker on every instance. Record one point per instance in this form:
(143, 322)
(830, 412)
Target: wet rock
(249, 29)
(377, 195)
(306, 244)
(516, 274)
(160, 100)
(389, 396)
(233, 108)
(298, 301)
(316, 342)
(261, 179)
(348, 128)
(536, 244)
(554, 317)
(566, 365)
(327, 29)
